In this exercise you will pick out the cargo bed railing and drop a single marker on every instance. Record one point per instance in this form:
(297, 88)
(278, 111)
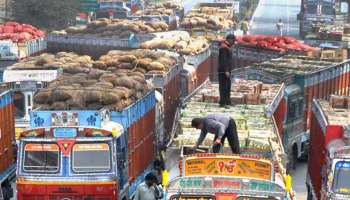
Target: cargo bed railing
(178, 111)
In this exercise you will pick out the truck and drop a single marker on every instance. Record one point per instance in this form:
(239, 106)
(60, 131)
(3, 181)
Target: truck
(87, 154)
(312, 12)
(24, 84)
(7, 144)
(329, 157)
(258, 112)
(305, 77)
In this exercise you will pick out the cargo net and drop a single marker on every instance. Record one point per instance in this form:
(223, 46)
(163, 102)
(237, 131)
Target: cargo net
(256, 132)
(337, 110)
(116, 80)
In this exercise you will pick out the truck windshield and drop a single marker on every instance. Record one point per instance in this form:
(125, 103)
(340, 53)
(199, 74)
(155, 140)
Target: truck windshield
(341, 183)
(41, 158)
(91, 157)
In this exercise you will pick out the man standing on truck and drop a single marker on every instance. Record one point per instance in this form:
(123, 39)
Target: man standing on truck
(224, 70)
(149, 189)
(280, 26)
(222, 126)
(245, 27)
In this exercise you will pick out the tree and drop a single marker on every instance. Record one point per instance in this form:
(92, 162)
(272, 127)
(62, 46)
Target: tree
(48, 14)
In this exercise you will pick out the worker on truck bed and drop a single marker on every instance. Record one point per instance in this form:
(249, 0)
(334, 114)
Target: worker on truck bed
(223, 126)
(224, 70)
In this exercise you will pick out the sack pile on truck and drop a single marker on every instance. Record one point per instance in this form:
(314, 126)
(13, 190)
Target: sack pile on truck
(92, 89)
(120, 28)
(182, 45)
(218, 11)
(17, 32)
(210, 22)
(160, 9)
(69, 62)
(141, 60)
(276, 43)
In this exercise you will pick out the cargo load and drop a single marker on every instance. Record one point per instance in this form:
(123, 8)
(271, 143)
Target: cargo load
(18, 41)
(161, 68)
(250, 99)
(329, 163)
(195, 51)
(210, 26)
(254, 110)
(7, 141)
(332, 36)
(252, 49)
(103, 35)
(164, 8)
(168, 12)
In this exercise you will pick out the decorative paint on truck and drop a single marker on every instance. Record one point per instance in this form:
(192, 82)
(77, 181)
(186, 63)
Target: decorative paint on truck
(7, 141)
(74, 154)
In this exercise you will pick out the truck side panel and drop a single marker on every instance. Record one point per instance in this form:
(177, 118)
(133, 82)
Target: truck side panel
(316, 155)
(7, 131)
(279, 115)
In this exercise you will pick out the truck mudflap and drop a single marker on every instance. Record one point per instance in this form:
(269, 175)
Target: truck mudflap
(216, 186)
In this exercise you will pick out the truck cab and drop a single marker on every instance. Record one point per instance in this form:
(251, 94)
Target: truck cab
(223, 176)
(72, 155)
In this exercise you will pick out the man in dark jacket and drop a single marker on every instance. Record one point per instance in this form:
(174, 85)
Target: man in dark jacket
(224, 71)
(222, 126)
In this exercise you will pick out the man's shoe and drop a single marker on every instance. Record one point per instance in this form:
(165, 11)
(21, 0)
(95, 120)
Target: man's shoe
(227, 107)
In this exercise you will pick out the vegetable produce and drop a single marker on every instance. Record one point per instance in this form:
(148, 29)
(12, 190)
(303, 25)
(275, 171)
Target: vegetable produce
(120, 28)
(275, 43)
(256, 131)
(17, 32)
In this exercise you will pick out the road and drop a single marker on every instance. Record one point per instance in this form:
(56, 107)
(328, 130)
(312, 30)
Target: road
(269, 12)
(298, 181)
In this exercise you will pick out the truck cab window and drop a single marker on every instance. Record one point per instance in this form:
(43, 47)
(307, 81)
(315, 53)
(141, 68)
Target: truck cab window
(341, 183)
(41, 158)
(91, 157)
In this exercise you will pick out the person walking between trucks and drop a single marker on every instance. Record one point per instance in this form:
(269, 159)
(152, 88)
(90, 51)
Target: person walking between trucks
(222, 126)
(245, 27)
(224, 70)
(149, 189)
(280, 26)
